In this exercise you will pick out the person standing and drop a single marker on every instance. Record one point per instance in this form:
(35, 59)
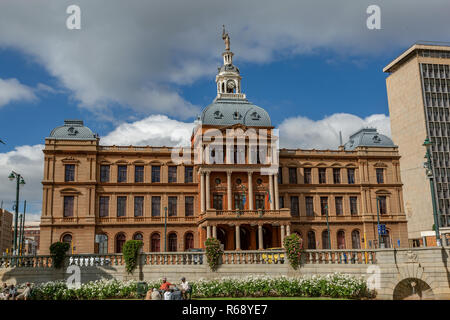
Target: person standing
(168, 294)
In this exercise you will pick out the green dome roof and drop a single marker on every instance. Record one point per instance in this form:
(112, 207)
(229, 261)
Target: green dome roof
(72, 130)
(226, 112)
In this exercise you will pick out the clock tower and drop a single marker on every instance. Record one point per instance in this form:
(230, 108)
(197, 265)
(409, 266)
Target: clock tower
(228, 78)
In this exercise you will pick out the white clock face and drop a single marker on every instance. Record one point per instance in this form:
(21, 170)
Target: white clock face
(230, 84)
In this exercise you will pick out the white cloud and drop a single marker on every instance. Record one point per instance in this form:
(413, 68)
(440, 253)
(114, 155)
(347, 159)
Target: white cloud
(12, 90)
(301, 132)
(157, 130)
(137, 53)
(29, 162)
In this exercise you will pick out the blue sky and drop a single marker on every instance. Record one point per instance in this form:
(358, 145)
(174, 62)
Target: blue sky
(309, 85)
(140, 72)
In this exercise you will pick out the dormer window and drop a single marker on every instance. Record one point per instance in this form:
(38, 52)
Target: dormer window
(237, 115)
(72, 131)
(218, 115)
(255, 116)
(376, 139)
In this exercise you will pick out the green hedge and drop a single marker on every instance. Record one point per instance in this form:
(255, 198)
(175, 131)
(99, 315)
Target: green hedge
(332, 285)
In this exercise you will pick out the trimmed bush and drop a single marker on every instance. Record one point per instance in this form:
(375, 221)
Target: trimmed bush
(131, 254)
(213, 253)
(58, 251)
(293, 246)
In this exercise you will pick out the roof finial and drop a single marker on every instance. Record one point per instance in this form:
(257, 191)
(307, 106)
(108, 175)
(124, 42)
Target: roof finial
(226, 38)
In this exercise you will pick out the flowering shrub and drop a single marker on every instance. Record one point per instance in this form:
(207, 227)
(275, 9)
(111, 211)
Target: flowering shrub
(332, 285)
(293, 246)
(213, 253)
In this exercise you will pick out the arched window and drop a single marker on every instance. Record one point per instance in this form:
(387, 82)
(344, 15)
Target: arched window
(325, 240)
(356, 242)
(172, 242)
(188, 241)
(138, 236)
(311, 240)
(67, 238)
(102, 243)
(120, 241)
(385, 240)
(341, 239)
(155, 243)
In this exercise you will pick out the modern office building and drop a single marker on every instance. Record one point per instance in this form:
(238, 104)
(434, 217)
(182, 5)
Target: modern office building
(6, 220)
(418, 88)
(248, 196)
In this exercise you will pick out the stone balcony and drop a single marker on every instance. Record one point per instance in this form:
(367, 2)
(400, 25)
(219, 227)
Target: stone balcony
(229, 215)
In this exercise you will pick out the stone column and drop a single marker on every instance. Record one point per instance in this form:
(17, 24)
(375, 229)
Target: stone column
(208, 232)
(260, 237)
(288, 230)
(229, 190)
(238, 238)
(282, 234)
(207, 191)
(272, 207)
(214, 231)
(202, 192)
(277, 198)
(250, 191)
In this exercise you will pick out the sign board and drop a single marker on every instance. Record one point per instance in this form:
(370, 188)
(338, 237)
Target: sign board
(382, 229)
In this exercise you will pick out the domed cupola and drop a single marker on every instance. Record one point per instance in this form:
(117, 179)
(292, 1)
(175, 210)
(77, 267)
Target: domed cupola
(228, 78)
(231, 107)
(72, 130)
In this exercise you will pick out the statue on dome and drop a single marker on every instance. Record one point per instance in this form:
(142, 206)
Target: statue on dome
(226, 38)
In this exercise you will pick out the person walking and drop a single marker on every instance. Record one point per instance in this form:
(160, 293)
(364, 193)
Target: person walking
(26, 293)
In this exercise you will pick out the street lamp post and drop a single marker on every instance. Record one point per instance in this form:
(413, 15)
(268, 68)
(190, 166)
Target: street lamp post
(19, 181)
(378, 222)
(429, 171)
(165, 229)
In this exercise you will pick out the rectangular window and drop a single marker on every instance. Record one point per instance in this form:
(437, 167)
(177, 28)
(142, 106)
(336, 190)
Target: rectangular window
(69, 172)
(380, 175)
(103, 207)
(338, 203)
(172, 174)
(382, 204)
(189, 206)
(121, 173)
(309, 203)
(293, 175)
(336, 175)
(156, 174)
(307, 175)
(259, 201)
(138, 206)
(104, 173)
(68, 206)
(121, 206)
(156, 206)
(295, 212)
(351, 175)
(280, 175)
(138, 173)
(281, 200)
(172, 207)
(188, 174)
(218, 201)
(353, 206)
(323, 205)
(322, 175)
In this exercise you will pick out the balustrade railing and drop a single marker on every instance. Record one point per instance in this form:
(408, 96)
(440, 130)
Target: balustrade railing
(198, 258)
